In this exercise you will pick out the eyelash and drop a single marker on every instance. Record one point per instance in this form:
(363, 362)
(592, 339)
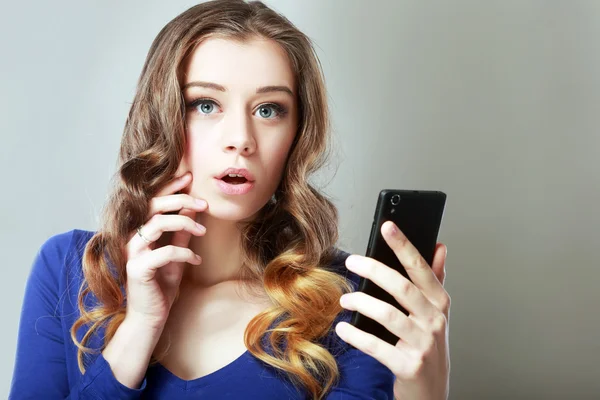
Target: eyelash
(279, 109)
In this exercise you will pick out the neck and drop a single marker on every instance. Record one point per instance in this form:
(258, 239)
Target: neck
(220, 251)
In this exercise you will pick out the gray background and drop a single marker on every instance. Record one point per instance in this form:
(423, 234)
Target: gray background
(494, 102)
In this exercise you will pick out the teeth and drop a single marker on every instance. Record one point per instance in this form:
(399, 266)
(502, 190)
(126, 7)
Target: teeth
(236, 175)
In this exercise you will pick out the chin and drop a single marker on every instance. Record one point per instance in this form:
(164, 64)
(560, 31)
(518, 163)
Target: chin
(234, 210)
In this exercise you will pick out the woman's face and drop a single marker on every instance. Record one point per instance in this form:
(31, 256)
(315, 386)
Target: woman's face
(241, 113)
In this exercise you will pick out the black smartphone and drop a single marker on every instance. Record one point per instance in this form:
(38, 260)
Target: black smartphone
(418, 214)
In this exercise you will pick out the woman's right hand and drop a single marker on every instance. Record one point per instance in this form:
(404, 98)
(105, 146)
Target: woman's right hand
(154, 272)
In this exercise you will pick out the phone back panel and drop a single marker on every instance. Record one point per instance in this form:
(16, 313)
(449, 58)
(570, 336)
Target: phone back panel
(418, 214)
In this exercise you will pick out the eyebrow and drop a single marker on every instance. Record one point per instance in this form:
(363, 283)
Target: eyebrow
(214, 86)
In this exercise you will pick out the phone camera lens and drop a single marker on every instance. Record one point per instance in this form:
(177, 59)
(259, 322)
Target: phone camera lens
(395, 199)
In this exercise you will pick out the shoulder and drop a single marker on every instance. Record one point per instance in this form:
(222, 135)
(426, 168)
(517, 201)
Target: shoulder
(60, 253)
(54, 279)
(61, 243)
(66, 244)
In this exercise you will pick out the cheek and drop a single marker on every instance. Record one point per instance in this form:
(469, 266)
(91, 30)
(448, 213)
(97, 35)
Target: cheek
(198, 154)
(277, 157)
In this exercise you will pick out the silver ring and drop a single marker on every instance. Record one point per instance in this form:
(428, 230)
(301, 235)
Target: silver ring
(139, 232)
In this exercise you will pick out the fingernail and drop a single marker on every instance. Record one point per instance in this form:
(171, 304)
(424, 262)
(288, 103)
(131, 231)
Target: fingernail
(353, 262)
(344, 300)
(203, 229)
(341, 329)
(200, 202)
(393, 228)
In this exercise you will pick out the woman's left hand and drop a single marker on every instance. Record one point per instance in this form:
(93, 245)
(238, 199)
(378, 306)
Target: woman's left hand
(420, 360)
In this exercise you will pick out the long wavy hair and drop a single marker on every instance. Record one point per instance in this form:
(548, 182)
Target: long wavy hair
(286, 248)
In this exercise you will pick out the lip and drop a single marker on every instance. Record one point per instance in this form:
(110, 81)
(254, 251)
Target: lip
(229, 188)
(238, 189)
(240, 171)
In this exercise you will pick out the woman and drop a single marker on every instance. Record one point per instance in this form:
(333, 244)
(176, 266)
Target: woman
(214, 273)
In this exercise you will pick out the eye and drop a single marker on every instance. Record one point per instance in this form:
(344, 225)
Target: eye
(271, 111)
(203, 106)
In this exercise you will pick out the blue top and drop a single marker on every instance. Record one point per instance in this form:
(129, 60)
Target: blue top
(46, 361)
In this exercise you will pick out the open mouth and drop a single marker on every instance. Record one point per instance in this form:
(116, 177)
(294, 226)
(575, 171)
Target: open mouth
(234, 179)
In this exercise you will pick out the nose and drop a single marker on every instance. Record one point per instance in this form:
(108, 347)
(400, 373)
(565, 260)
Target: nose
(238, 135)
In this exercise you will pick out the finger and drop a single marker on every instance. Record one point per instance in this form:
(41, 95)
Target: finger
(159, 224)
(392, 357)
(438, 266)
(403, 290)
(176, 184)
(143, 268)
(174, 271)
(387, 315)
(417, 268)
(175, 202)
(182, 238)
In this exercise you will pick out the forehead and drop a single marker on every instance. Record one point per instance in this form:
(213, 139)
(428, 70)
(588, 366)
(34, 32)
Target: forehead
(249, 64)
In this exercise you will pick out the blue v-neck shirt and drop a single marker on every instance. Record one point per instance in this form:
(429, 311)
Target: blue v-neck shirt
(46, 361)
